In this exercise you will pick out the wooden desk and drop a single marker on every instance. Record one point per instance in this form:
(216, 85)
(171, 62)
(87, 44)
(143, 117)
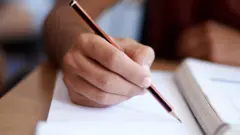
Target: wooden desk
(29, 101)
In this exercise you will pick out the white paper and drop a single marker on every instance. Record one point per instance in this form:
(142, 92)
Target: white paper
(113, 128)
(144, 110)
(140, 108)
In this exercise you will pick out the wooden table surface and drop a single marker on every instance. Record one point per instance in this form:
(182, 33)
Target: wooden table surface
(29, 101)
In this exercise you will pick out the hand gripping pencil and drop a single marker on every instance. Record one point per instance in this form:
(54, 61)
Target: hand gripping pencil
(74, 4)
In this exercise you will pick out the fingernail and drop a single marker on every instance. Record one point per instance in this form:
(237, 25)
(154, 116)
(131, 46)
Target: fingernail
(147, 82)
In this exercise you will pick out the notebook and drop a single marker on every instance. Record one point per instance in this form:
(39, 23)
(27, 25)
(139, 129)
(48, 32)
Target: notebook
(206, 97)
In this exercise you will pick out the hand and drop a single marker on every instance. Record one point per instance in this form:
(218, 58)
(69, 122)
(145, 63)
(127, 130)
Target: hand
(99, 75)
(211, 41)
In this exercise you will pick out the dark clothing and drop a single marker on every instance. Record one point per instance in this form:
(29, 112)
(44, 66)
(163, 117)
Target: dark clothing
(165, 19)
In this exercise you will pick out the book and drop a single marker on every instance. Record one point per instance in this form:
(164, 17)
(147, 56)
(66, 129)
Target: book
(212, 92)
(205, 95)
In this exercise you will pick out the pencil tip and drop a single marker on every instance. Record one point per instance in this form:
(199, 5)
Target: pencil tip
(179, 120)
(175, 116)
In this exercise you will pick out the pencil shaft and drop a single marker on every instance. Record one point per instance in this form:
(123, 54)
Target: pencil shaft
(159, 98)
(92, 23)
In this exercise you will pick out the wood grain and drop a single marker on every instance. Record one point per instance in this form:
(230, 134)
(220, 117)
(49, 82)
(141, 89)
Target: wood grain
(28, 102)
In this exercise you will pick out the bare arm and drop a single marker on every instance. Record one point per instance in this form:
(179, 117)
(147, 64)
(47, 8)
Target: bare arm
(63, 25)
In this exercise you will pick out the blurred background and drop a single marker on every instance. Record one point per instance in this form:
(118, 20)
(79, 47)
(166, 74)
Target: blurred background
(20, 38)
(21, 42)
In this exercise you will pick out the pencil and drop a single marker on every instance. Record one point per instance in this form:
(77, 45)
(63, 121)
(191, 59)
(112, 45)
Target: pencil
(74, 4)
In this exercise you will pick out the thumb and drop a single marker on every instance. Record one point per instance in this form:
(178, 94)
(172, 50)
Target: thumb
(141, 54)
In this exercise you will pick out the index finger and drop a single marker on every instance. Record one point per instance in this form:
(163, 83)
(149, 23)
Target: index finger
(113, 59)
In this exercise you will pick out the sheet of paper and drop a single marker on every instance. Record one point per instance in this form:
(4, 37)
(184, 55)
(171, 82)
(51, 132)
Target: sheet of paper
(113, 128)
(140, 109)
(221, 85)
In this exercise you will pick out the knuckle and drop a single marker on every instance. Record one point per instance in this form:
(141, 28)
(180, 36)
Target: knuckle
(112, 58)
(93, 43)
(129, 40)
(69, 63)
(75, 98)
(67, 81)
(136, 57)
(92, 38)
(101, 98)
(81, 40)
(104, 82)
(144, 55)
(67, 59)
(89, 41)
(85, 40)
(72, 96)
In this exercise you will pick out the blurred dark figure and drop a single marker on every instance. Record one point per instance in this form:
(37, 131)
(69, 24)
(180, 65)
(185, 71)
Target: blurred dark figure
(175, 29)
(15, 30)
(206, 29)
(20, 39)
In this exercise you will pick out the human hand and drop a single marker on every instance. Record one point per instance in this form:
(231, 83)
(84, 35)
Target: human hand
(98, 75)
(211, 41)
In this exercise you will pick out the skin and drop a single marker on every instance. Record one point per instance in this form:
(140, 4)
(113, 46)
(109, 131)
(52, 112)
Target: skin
(94, 78)
(211, 41)
(71, 28)
(98, 79)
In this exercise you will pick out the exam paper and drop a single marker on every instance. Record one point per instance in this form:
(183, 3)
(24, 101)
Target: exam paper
(140, 109)
(114, 128)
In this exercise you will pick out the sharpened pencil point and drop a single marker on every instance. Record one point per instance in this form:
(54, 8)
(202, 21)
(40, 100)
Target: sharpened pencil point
(179, 120)
(175, 116)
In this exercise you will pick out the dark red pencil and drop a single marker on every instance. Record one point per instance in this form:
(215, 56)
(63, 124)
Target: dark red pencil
(74, 4)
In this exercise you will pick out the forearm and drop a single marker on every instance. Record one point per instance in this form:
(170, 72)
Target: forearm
(63, 25)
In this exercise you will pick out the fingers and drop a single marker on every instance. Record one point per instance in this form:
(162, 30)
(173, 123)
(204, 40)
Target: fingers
(79, 88)
(139, 53)
(81, 100)
(98, 74)
(100, 77)
(113, 59)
